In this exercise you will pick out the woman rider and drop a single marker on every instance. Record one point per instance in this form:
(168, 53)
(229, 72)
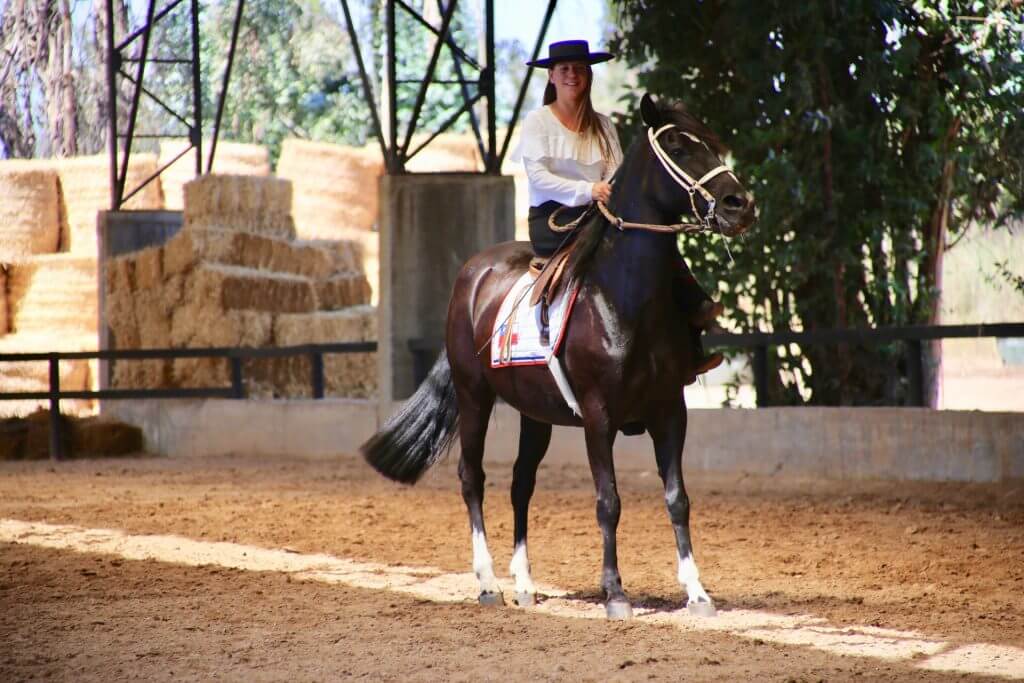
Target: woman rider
(571, 153)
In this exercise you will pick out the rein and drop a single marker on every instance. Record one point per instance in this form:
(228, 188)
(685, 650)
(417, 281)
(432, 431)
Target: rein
(681, 177)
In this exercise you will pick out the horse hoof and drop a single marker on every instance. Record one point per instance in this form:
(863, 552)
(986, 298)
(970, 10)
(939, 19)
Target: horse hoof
(701, 608)
(619, 610)
(525, 599)
(492, 599)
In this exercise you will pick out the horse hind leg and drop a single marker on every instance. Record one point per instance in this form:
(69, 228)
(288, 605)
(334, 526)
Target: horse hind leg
(473, 417)
(534, 438)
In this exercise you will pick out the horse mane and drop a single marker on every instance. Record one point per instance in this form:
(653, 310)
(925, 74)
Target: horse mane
(592, 230)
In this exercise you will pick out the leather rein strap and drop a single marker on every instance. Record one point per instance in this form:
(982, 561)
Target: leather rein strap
(681, 177)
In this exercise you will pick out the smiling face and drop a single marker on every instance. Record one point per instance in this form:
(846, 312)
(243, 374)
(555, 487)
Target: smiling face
(571, 80)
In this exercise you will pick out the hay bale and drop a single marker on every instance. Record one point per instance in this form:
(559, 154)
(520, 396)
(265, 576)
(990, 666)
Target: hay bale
(447, 153)
(232, 158)
(345, 374)
(28, 438)
(342, 291)
(103, 437)
(335, 186)
(356, 250)
(256, 204)
(247, 250)
(5, 324)
(55, 293)
(29, 218)
(85, 191)
(34, 376)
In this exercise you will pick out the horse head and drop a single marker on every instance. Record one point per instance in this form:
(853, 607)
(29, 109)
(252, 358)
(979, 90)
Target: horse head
(683, 171)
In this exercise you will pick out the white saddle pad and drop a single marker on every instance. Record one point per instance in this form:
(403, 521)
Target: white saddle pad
(516, 339)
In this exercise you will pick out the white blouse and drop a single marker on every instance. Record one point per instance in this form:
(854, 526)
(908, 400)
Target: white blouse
(558, 165)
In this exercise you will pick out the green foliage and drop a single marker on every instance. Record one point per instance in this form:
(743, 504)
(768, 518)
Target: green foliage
(870, 131)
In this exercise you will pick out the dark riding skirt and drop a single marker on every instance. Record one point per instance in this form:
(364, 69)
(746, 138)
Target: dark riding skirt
(546, 241)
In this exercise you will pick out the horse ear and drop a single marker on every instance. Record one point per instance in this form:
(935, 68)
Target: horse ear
(649, 111)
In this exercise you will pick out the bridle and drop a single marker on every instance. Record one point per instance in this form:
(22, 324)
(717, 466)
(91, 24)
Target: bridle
(692, 186)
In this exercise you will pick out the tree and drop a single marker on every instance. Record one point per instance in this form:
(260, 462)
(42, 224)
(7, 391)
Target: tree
(38, 105)
(873, 134)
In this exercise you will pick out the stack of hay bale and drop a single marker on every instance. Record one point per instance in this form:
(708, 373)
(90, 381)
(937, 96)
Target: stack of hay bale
(231, 158)
(336, 187)
(85, 191)
(235, 276)
(50, 295)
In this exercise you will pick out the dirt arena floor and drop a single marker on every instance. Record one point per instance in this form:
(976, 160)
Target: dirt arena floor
(945, 561)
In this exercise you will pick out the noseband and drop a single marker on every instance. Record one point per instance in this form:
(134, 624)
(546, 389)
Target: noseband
(681, 177)
(684, 179)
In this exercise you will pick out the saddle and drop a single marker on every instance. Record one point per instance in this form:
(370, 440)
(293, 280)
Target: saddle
(548, 271)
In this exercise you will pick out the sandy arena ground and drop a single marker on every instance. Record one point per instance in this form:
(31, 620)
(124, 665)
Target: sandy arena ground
(943, 561)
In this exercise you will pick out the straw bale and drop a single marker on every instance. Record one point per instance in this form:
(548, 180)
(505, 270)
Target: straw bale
(247, 250)
(85, 191)
(249, 289)
(335, 186)
(447, 153)
(345, 374)
(119, 303)
(102, 436)
(4, 320)
(23, 438)
(54, 293)
(234, 328)
(232, 158)
(246, 203)
(29, 218)
(342, 290)
(148, 271)
(356, 250)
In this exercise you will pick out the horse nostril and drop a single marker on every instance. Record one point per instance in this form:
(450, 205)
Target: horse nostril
(734, 202)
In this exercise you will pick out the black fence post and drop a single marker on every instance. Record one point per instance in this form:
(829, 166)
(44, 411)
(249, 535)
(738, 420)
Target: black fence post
(56, 444)
(316, 364)
(761, 375)
(237, 385)
(915, 372)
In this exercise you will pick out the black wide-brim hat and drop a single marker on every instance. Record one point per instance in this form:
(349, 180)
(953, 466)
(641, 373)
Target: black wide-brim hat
(570, 51)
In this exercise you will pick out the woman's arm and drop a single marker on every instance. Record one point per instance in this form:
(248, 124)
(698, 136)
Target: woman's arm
(562, 190)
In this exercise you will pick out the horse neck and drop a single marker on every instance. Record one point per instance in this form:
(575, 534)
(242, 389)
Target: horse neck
(636, 265)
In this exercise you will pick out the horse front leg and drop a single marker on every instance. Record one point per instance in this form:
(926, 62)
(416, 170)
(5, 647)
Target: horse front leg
(600, 437)
(669, 434)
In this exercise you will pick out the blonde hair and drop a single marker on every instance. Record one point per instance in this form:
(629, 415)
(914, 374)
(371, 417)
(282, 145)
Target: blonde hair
(590, 127)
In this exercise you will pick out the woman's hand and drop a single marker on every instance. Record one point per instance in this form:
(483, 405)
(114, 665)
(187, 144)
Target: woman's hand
(601, 192)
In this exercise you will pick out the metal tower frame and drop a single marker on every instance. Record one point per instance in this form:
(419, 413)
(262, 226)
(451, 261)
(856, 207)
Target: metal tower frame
(140, 42)
(395, 147)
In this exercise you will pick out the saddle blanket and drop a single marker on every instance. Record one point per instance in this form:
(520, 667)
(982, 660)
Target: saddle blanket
(516, 340)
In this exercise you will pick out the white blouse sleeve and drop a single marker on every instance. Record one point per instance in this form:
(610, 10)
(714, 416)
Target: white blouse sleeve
(535, 153)
(562, 190)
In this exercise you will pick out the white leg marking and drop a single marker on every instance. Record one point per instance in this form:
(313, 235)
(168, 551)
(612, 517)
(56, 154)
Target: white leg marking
(519, 568)
(689, 577)
(483, 565)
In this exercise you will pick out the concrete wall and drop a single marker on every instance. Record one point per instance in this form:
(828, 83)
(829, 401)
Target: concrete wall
(830, 443)
(429, 226)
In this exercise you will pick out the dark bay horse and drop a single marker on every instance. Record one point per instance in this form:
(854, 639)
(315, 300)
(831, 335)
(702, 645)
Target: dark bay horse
(627, 353)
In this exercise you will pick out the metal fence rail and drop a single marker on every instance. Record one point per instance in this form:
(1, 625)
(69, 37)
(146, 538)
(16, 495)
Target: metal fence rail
(234, 357)
(912, 335)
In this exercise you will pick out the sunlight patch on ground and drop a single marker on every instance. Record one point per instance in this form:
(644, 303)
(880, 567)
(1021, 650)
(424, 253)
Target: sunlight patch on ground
(432, 584)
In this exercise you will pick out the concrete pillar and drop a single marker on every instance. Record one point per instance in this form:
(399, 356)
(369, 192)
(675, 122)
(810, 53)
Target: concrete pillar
(430, 224)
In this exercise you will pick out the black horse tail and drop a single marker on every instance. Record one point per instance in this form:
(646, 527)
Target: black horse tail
(419, 434)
